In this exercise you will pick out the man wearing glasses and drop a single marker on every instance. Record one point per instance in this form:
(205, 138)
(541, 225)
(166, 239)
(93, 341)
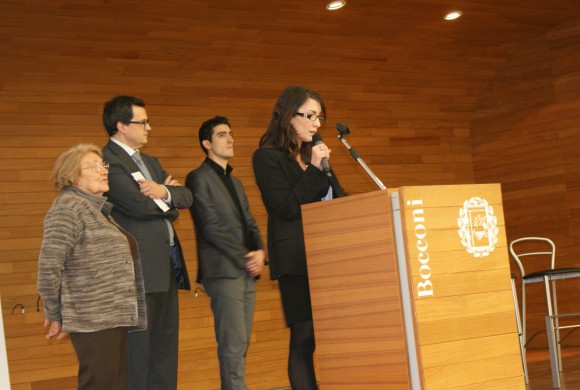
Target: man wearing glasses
(146, 199)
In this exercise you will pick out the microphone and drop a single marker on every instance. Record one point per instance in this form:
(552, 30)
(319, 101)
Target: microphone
(317, 140)
(342, 129)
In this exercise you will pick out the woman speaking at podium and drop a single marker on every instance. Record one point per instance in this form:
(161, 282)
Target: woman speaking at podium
(289, 169)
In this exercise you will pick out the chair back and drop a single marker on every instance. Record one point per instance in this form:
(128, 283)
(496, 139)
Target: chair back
(542, 250)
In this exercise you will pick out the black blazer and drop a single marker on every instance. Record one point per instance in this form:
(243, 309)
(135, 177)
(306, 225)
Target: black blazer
(141, 217)
(285, 186)
(222, 240)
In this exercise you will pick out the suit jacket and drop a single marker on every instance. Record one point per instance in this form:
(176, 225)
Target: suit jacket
(285, 186)
(141, 217)
(222, 237)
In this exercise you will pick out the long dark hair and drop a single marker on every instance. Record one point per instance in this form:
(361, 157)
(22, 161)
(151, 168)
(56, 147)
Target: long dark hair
(280, 134)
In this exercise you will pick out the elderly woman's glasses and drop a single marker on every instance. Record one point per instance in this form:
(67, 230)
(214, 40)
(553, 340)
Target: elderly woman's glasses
(311, 117)
(98, 166)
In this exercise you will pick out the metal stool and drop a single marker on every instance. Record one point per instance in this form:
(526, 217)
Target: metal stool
(520, 330)
(520, 249)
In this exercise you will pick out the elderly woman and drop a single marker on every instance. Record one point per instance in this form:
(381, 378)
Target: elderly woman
(289, 173)
(89, 271)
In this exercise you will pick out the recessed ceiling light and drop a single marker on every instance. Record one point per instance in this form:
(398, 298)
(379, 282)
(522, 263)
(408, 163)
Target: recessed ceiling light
(334, 5)
(453, 15)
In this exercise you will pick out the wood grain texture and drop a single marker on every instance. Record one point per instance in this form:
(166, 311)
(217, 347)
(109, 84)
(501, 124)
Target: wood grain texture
(355, 292)
(412, 88)
(525, 135)
(460, 279)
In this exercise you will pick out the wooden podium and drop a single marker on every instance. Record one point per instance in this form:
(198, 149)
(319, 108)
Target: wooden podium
(411, 290)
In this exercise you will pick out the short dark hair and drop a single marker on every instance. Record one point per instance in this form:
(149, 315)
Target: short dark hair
(206, 129)
(119, 109)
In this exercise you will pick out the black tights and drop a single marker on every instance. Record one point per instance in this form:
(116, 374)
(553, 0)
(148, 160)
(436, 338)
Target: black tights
(301, 359)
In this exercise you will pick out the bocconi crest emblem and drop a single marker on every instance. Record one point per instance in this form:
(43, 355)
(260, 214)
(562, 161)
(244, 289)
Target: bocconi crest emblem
(477, 227)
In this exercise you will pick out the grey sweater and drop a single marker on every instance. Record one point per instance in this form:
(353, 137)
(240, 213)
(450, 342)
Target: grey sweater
(89, 270)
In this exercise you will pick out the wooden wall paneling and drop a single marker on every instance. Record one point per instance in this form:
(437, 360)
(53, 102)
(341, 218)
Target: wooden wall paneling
(405, 82)
(523, 135)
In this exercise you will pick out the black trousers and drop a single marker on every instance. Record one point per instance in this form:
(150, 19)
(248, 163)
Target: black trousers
(153, 353)
(102, 359)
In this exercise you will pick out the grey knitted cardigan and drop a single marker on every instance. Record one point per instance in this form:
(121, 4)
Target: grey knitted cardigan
(88, 276)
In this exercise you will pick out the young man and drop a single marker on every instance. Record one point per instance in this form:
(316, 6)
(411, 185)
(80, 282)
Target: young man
(229, 246)
(145, 200)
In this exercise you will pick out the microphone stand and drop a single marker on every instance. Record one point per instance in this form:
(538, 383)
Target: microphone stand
(343, 130)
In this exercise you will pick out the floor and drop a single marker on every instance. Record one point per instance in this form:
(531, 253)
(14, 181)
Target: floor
(540, 374)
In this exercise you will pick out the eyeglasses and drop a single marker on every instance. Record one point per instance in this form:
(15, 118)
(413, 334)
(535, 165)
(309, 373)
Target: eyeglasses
(98, 166)
(144, 122)
(311, 117)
